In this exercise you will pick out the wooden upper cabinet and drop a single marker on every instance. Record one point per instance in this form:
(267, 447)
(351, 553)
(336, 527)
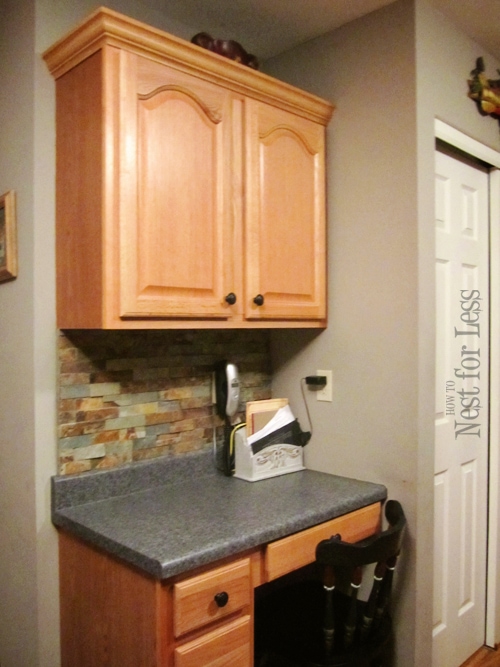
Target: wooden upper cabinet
(183, 177)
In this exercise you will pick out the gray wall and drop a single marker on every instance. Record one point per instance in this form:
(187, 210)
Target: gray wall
(371, 429)
(29, 612)
(445, 57)
(389, 74)
(18, 553)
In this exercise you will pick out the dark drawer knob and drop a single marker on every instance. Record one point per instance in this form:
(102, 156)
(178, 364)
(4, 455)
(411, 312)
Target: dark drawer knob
(221, 599)
(258, 300)
(231, 298)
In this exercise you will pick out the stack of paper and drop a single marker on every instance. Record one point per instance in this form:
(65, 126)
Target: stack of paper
(282, 429)
(259, 413)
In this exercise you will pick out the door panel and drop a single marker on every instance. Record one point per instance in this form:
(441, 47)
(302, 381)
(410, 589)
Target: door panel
(175, 185)
(285, 215)
(461, 422)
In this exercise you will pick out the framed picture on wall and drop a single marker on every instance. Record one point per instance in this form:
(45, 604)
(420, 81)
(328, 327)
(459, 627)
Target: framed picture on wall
(8, 236)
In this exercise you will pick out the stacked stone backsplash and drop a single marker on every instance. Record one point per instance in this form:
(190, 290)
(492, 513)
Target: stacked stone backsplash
(132, 395)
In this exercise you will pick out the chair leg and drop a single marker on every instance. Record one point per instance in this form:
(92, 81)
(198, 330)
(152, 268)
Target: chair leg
(329, 623)
(329, 619)
(371, 605)
(350, 624)
(385, 590)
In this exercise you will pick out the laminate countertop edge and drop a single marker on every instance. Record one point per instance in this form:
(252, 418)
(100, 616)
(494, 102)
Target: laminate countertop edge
(167, 517)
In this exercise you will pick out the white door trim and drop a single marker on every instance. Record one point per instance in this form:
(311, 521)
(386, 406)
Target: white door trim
(493, 572)
(465, 143)
(478, 150)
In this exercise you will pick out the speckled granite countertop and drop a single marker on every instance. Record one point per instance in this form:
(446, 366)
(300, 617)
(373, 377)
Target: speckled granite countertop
(171, 515)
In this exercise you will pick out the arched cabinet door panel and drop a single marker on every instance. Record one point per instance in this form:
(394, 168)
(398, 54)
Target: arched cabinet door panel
(175, 194)
(285, 217)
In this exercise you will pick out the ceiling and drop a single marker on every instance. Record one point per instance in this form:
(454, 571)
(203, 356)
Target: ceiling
(268, 27)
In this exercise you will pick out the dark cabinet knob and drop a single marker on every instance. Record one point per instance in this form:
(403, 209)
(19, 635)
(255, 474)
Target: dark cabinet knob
(231, 298)
(221, 599)
(258, 300)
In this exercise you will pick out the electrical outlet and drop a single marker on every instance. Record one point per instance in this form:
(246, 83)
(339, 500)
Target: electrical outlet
(325, 394)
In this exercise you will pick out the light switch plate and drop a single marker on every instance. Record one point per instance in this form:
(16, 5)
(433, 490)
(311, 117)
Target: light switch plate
(325, 394)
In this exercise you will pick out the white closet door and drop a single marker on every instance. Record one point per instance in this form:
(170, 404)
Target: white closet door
(461, 433)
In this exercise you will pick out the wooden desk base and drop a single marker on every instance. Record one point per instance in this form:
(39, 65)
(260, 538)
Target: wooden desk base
(113, 615)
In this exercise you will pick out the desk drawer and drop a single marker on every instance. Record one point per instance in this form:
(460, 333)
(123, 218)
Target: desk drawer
(195, 601)
(227, 646)
(295, 551)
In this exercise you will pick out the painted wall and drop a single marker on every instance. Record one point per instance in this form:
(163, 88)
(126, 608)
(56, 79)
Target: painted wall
(29, 613)
(389, 74)
(18, 553)
(381, 71)
(445, 57)
(371, 428)
(56, 17)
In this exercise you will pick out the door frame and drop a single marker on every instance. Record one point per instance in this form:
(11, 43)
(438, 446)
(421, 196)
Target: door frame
(491, 157)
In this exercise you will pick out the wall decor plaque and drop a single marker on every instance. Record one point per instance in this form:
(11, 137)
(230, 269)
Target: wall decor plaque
(484, 91)
(8, 236)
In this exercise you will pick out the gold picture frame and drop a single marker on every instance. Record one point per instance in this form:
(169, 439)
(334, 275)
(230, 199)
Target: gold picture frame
(8, 236)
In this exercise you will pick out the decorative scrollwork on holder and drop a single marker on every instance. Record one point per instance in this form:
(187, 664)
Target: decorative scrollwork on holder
(276, 456)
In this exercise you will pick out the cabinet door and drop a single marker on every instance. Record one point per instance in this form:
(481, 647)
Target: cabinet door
(285, 215)
(175, 188)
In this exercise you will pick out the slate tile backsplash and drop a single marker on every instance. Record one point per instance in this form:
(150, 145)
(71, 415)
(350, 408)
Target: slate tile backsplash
(131, 395)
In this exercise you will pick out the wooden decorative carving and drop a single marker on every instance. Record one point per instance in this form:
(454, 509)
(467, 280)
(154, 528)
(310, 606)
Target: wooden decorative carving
(485, 92)
(283, 130)
(226, 47)
(213, 113)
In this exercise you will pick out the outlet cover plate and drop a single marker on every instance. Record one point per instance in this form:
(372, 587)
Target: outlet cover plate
(325, 394)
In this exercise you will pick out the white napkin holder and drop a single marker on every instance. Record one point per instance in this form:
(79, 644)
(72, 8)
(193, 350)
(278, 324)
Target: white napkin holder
(274, 460)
